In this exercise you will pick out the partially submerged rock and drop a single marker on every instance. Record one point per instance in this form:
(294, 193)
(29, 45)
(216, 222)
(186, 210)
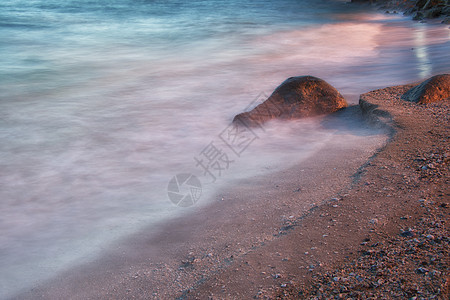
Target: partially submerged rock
(296, 97)
(434, 89)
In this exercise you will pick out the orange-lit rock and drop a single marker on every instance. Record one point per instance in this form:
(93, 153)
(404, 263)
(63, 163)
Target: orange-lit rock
(434, 89)
(296, 97)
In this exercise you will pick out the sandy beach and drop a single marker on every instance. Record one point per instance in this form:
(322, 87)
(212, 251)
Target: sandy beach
(285, 234)
(244, 218)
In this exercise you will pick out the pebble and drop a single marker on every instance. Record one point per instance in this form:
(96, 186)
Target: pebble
(373, 221)
(407, 233)
(422, 270)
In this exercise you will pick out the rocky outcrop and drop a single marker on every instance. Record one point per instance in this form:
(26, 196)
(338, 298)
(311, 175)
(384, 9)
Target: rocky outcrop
(430, 9)
(418, 9)
(434, 89)
(297, 97)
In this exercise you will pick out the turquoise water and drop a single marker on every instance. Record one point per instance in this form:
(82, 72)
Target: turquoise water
(103, 102)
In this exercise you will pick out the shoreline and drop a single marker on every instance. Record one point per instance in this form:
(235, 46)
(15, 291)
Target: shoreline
(187, 257)
(405, 252)
(259, 248)
(385, 237)
(252, 214)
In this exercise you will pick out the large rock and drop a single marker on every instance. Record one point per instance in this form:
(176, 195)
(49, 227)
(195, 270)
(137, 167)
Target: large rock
(434, 89)
(296, 97)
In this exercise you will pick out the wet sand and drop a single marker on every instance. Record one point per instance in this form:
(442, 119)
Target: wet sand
(246, 221)
(297, 233)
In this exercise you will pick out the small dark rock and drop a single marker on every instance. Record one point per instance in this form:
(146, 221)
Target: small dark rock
(422, 270)
(418, 16)
(407, 233)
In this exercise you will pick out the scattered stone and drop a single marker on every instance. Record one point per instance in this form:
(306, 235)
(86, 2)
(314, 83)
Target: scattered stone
(373, 221)
(407, 233)
(422, 270)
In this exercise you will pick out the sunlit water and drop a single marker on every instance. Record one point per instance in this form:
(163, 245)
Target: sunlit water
(103, 102)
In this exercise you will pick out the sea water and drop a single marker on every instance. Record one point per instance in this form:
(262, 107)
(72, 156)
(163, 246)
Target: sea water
(102, 103)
